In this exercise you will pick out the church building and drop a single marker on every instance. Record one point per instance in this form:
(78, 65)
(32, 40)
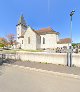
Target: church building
(45, 38)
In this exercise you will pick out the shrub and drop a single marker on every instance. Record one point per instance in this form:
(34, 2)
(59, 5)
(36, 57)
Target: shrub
(1, 45)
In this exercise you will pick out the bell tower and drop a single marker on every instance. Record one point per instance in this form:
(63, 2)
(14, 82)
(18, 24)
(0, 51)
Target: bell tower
(21, 27)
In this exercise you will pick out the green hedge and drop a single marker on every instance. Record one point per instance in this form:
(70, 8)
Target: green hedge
(1, 45)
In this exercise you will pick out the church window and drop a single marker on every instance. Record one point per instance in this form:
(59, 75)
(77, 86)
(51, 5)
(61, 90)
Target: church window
(28, 40)
(43, 40)
(40, 39)
(22, 41)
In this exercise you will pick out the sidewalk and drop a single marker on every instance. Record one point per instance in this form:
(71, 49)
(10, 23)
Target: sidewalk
(49, 67)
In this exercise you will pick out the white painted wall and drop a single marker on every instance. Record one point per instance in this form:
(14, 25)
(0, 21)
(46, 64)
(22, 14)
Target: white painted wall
(50, 41)
(76, 60)
(62, 45)
(38, 42)
(43, 45)
(54, 58)
(22, 45)
(29, 33)
(20, 29)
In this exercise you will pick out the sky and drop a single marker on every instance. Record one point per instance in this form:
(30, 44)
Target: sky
(41, 14)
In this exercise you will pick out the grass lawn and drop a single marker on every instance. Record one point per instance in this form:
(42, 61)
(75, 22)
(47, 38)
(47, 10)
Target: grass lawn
(8, 51)
(14, 51)
(32, 50)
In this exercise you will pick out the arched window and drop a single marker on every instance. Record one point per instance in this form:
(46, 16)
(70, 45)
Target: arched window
(43, 40)
(28, 40)
(22, 41)
(40, 39)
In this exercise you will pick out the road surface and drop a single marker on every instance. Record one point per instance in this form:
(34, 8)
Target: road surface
(15, 79)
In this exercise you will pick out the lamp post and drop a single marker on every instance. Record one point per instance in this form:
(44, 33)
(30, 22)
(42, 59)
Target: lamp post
(71, 14)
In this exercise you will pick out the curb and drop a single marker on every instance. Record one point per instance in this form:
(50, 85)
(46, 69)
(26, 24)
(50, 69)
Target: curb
(46, 71)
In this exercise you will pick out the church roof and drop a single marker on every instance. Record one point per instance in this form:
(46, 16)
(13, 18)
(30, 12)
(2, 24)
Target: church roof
(22, 21)
(42, 31)
(64, 41)
(46, 31)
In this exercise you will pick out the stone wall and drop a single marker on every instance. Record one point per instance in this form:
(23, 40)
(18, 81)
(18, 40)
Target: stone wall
(43, 57)
(76, 60)
(54, 58)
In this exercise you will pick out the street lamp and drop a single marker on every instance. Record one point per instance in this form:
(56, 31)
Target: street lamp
(71, 14)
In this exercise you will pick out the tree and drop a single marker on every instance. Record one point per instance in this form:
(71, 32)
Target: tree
(74, 45)
(3, 42)
(10, 38)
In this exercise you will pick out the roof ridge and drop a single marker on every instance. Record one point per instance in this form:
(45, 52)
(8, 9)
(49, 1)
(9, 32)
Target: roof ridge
(46, 30)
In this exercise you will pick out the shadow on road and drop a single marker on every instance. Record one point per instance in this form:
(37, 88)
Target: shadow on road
(1, 62)
(9, 61)
(2, 66)
(1, 69)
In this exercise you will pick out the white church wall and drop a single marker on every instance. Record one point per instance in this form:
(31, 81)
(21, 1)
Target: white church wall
(29, 33)
(50, 41)
(22, 43)
(18, 30)
(43, 45)
(62, 45)
(38, 42)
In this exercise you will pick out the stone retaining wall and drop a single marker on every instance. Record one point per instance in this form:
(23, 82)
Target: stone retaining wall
(43, 57)
(54, 58)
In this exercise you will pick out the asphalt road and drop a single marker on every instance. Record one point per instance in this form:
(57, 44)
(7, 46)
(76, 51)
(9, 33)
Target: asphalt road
(15, 79)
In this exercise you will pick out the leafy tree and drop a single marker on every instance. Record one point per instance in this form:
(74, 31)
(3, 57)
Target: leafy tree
(74, 45)
(11, 38)
(3, 42)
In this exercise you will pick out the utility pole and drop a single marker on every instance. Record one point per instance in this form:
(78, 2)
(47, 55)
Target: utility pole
(71, 14)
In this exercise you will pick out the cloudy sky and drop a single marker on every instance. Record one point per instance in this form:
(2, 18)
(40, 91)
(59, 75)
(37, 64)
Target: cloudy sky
(40, 14)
